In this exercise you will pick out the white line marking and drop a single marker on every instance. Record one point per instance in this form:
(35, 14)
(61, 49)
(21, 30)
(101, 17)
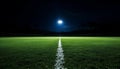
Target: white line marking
(59, 56)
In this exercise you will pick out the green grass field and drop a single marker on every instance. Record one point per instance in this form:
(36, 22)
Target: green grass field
(27, 52)
(79, 52)
(92, 52)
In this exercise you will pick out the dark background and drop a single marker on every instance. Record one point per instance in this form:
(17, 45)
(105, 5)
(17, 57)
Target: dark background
(81, 17)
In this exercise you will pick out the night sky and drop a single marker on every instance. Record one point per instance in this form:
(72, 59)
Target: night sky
(31, 16)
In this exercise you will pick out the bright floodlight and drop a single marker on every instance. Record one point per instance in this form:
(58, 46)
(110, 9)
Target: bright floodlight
(60, 22)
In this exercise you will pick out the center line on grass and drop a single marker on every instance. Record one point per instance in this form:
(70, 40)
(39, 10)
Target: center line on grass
(59, 56)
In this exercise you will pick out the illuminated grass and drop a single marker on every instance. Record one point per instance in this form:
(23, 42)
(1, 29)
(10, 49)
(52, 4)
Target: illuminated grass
(40, 52)
(91, 52)
(27, 52)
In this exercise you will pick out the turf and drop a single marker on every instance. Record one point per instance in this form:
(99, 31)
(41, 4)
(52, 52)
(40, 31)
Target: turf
(91, 52)
(39, 52)
(27, 52)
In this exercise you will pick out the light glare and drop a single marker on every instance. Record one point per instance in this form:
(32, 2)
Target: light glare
(60, 21)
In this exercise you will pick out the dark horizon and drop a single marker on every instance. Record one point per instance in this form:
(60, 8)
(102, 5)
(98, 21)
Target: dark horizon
(84, 17)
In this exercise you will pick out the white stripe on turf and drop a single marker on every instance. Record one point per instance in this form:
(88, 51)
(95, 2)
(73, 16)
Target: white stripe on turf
(59, 56)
